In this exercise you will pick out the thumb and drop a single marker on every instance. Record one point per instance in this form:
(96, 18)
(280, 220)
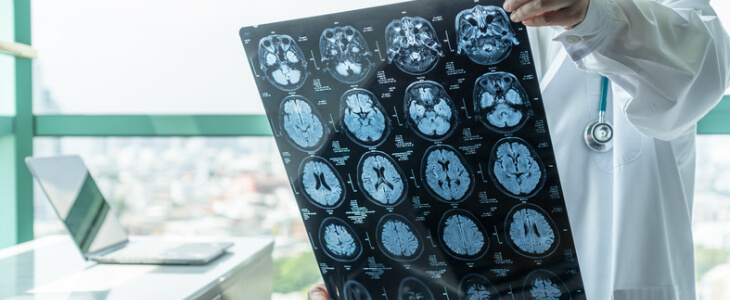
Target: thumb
(318, 292)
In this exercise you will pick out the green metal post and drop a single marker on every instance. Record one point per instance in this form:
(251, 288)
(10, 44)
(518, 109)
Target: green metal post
(16, 183)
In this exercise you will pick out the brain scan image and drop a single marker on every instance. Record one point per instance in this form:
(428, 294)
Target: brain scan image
(446, 173)
(516, 169)
(303, 125)
(364, 118)
(545, 285)
(398, 239)
(282, 62)
(380, 179)
(414, 289)
(345, 54)
(462, 235)
(339, 240)
(354, 290)
(429, 110)
(484, 34)
(500, 102)
(412, 45)
(321, 183)
(531, 231)
(477, 287)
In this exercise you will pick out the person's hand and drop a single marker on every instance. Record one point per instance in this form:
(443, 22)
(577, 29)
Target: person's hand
(565, 13)
(318, 292)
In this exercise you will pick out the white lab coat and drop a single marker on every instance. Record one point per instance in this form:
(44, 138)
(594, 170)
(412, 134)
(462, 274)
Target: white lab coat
(630, 209)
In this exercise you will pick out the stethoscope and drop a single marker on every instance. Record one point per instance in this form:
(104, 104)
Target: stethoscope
(599, 133)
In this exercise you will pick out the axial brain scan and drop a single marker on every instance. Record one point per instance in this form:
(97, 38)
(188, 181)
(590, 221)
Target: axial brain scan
(381, 179)
(500, 102)
(363, 117)
(339, 241)
(446, 173)
(429, 110)
(412, 45)
(345, 53)
(413, 289)
(282, 62)
(530, 231)
(354, 290)
(516, 168)
(302, 124)
(463, 235)
(321, 183)
(544, 285)
(477, 287)
(398, 238)
(414, 141)
(484, 33)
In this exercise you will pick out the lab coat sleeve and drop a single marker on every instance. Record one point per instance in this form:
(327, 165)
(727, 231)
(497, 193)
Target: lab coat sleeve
(670, 56)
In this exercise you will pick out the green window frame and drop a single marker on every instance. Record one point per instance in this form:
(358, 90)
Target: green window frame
(16, 137)
(18, 130)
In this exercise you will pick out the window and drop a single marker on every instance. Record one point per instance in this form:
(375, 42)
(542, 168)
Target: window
(184, 186)
(711, 218)
(7, 62)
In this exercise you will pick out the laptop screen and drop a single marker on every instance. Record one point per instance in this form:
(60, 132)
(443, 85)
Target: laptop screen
(78, 201)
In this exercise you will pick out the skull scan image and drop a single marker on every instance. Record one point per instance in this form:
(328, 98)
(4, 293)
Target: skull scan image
(545, 285)
(462, 235)
(338, 240)
(430, 113)
(282, 62)
(516, 169)
(380, 179)
(302, 124)
(364, 118)
(412, 288)
(412, 45)
(321, 183)
(398, 239)
(477, 287)
(446, 173)
(500, 102)
(345, 54)
(531, 232)
(484, 34)
(354, 290)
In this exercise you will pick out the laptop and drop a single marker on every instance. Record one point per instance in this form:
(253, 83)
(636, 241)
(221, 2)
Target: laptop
(93, 226)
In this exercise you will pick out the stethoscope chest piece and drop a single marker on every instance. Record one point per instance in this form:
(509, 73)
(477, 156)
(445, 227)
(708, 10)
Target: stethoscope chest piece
(599, 136)
(599, 133)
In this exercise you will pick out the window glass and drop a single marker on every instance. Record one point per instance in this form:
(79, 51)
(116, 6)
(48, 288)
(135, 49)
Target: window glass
(153, 57)
(7, 62)
(711, 218)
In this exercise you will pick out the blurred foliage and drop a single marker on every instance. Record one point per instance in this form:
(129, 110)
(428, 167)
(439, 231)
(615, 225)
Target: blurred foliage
(708, 258)
(295, 273)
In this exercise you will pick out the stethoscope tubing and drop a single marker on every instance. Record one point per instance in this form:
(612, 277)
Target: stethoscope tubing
(604, 99)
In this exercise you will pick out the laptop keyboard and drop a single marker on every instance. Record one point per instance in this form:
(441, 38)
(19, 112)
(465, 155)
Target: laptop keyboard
(141, 251)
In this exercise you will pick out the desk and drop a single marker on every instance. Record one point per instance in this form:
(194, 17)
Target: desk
(53, 268)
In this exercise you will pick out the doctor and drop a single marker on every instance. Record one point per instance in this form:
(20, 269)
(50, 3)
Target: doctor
(630, 207)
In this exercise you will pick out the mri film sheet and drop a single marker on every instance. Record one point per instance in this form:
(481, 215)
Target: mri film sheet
(417, 148)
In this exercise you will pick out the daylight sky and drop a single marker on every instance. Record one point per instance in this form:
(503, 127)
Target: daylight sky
(161, 56)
